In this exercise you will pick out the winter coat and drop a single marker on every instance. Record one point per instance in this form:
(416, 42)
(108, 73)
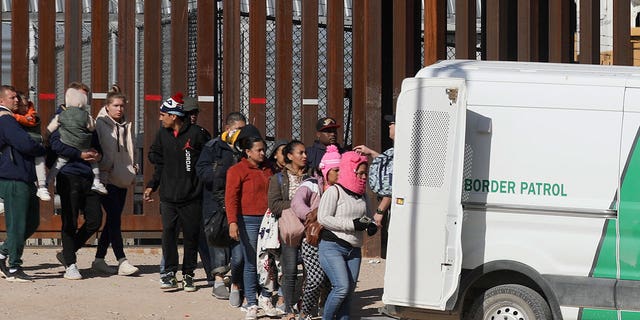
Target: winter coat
(76, 128)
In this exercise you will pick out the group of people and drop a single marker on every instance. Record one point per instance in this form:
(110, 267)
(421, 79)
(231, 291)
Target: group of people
(223, 194)
(91, 162)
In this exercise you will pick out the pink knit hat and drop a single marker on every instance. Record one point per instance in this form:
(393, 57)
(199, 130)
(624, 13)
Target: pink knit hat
(330, 160)
(348, 166)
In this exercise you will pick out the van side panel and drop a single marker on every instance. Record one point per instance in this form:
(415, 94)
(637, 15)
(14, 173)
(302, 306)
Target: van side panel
(551, 159)
(546, 183)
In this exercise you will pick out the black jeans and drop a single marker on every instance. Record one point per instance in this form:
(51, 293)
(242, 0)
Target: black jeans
(190, 217)
(75, 196)
(289, 262)
(113, 203)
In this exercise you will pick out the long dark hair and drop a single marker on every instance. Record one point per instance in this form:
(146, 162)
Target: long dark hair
(289, 149)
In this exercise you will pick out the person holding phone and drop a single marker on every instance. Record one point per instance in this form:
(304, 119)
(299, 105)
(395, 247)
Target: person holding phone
(343, 213)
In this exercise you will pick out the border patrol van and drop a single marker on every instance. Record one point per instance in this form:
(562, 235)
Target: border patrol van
(517, 193)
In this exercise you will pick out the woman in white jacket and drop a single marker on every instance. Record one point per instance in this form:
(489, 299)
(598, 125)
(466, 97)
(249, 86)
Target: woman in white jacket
(118, 172)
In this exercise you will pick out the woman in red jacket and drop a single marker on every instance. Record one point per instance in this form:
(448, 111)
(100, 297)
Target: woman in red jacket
(246, 202)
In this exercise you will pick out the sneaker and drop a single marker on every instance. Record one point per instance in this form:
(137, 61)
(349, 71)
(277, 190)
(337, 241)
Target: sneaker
(187, 283)
(235, 300)
(43, 194)
(220, 271)
(60, 257)
(99, 188)
(125, 268)
(265, 304)
(19, 276)
(168, 281)
(4, 271)
(280, 310)
(220, 291)
(252, 313)
(72, 272)
(101, 266)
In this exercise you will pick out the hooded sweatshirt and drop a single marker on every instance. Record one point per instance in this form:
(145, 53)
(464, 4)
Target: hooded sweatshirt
(117, 166)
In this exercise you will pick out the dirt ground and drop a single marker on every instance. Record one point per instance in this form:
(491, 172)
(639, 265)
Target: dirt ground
(97, 296)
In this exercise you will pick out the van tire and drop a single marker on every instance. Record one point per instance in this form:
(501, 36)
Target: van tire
(516, 301)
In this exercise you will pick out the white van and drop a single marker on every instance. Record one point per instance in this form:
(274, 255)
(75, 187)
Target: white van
(516, 193)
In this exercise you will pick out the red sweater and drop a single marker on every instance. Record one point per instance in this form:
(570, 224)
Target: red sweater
(246, 190)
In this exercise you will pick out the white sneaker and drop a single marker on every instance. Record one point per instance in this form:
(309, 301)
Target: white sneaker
(43, 194)
(252, 313)
(72, 273)
(265, 304)
(99, 188)
(101, 266)
(125, 268)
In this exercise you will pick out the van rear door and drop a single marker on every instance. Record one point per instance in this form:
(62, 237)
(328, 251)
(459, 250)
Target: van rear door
(424, 249)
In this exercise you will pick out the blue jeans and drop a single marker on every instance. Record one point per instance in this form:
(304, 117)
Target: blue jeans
(249, 227)
(342, 266)
(237, 263)
(113, 204)
(289, 264)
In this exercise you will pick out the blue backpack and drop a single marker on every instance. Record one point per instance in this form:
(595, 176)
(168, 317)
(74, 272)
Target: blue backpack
(381, 173)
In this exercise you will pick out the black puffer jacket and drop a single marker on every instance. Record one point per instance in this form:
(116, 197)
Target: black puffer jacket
(175, 161)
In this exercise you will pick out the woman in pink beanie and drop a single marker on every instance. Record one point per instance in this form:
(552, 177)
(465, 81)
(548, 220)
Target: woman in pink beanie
(343, 214)
(305, 203)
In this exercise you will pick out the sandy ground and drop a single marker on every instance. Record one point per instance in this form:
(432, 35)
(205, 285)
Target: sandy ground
(97, 296)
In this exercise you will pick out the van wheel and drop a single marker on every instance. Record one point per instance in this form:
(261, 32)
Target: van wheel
(509, 302)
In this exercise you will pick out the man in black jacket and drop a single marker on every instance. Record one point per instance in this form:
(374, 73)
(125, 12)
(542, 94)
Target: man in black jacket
(174, 153)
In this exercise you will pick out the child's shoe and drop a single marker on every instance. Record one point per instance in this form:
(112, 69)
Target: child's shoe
(43, 194)
(99, 187)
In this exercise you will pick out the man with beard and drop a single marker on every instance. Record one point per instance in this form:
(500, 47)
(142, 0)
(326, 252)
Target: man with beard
(326, 134)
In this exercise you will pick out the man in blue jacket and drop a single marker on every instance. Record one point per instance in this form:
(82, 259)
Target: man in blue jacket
(17, 188)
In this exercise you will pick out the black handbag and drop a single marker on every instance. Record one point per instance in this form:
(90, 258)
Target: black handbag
(216, 230)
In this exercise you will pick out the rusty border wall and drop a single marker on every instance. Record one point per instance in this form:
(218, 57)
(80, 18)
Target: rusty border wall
(283, 72)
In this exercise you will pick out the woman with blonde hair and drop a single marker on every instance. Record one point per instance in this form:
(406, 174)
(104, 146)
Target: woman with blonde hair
(118, 171)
